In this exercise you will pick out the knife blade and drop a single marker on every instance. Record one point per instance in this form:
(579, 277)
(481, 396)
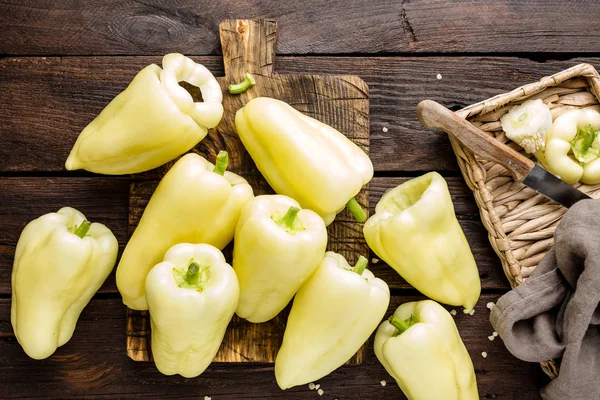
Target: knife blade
(543, 182)
(434, 115)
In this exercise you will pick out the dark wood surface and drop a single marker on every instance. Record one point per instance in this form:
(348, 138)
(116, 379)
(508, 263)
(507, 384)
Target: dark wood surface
(93, 365)
(62, 62)
(129, 27)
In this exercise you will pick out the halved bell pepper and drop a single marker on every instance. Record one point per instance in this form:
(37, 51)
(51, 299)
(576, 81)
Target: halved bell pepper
(276, 248)
(303, 158)
(416, 232)
(573, 147)
(332, 316)
(61, 261)
(192, 296)
(420, 347)
(195, 202)
(151, 122)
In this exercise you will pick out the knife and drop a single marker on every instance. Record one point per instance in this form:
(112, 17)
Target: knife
(434, 115)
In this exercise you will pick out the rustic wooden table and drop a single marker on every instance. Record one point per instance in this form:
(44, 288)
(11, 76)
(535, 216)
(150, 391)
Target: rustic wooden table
(62, 61)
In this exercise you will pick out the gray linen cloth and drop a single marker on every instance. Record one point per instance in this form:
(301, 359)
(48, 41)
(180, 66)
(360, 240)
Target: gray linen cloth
(556, 312)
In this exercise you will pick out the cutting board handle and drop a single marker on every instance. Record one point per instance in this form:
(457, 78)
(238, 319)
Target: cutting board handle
(434, 115)
(248, 46)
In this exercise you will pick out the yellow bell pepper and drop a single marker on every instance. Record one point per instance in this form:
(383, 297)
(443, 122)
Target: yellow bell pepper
(151, 122)
(195, 202)
(415, 231)
(276, 248)
(192, 296)
(332, 316)
(303, 158)
(61, 261)
(420, 347)
(573, 148)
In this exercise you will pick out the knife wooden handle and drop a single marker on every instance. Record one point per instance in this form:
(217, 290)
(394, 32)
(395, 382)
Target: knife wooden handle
(434, 115)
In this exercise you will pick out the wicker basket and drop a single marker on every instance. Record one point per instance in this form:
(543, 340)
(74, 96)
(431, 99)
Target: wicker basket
(521, 223)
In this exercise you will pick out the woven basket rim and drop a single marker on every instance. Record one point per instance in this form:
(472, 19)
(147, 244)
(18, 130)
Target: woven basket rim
(580, 70)
(475, 174)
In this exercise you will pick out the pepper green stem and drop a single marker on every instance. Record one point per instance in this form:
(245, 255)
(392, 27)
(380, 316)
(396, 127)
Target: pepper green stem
(582, 144)
(193, 274)
(402, 325)
(221, 163)
(247, 83)
(83, 229)
(361, 264)
(356, 210)
(195, 277)
(288, 219)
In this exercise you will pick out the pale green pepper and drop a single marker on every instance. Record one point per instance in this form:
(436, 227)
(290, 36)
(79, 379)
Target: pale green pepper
(61, 261)
(420, 347)
(573, 147)
(303, 158)
(333, 315)
(276, 248)
(153, 121)
(195, 202)
(416, 232)
(191, 296)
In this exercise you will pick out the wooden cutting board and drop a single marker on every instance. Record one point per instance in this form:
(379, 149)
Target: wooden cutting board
(340, 101)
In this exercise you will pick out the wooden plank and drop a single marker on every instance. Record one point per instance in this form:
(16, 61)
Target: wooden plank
(101, 199)
(37, 132)
(312, 27)
(92, 365)
(23, 199)
(105, 200)
(340, 101)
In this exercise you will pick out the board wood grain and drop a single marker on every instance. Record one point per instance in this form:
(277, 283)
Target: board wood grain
(340, 101)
